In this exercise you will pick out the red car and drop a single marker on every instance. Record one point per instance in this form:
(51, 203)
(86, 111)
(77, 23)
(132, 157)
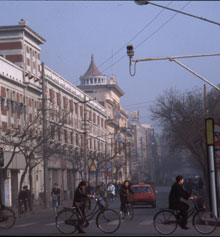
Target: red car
(144, 194)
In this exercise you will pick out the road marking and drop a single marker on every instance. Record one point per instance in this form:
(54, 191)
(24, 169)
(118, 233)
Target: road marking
(146, 222)
(54, 223)
(25, 225)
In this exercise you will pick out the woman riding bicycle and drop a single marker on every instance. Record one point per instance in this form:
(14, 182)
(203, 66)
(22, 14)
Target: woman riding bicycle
(80, 196)
(177, 192)
(126, 195)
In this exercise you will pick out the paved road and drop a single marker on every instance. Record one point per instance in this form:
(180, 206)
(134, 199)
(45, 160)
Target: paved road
(43, 222)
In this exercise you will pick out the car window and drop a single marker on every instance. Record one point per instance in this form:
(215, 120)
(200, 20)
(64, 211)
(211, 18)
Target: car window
(141, 189)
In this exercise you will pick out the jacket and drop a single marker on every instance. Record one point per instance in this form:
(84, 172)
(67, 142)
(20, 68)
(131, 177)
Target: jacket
(79, 196)
(177, 192)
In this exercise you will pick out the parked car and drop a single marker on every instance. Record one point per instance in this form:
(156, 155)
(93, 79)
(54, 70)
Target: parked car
(144, 194)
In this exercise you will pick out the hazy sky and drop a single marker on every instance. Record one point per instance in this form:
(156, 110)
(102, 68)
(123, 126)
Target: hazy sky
(75, 29)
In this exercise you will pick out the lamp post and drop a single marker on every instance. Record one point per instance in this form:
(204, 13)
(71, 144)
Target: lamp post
(145, 2)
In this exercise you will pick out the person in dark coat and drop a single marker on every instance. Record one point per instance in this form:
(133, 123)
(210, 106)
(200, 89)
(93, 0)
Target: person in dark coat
(23, 198)
(125, 195)
(80, 196)
(177, 192)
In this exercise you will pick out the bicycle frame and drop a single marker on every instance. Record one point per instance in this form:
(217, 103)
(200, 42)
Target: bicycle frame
(95, 211)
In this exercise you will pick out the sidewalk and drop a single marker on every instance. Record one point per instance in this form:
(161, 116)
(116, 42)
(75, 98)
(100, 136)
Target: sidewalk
(37, 209)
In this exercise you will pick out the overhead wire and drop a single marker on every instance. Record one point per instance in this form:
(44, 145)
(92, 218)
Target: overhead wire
(158, 29)
(135, 36)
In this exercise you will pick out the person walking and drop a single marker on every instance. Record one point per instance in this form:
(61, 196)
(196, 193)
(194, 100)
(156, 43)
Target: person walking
(22, 199)
(111, 191)
(55, 197)
(29, 199)
(177, 192)
(126, 195)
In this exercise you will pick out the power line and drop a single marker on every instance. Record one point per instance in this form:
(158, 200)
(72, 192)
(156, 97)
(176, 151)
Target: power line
(158, 29)
(135, 36)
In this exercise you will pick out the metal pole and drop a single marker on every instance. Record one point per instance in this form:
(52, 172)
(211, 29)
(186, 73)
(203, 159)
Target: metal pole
(171, 9)
(1, 186)
(46, 186)
(85, 140)
(211, 163)
(196, 74)
(205, 101)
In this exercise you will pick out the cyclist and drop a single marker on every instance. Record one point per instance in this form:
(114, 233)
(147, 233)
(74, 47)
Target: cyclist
(177, 192)
(55, 197)
(80, 196)
(125, 195)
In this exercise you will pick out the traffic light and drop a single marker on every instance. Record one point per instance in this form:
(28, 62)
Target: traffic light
(1, 157)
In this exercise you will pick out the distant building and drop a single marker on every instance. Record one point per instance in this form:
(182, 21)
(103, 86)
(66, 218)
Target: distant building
(142, 156)
(108, 93)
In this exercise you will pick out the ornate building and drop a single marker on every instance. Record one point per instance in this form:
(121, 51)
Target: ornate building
(108, 93)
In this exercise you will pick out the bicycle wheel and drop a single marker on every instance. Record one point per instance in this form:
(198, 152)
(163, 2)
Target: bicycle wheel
(66, 221)
(108, 221)
(204, 222)
(7, 218)
(165, 222)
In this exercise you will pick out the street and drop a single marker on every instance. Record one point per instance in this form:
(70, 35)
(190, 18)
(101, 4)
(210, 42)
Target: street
(43, 222)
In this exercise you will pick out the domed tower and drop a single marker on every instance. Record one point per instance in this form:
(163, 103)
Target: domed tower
(93, 76)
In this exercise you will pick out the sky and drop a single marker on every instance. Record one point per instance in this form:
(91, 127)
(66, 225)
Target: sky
(76, 29)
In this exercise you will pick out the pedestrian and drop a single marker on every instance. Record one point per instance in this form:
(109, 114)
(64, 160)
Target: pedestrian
(22, 198)
(177, 192)
(55, 197)
(111, 191)
(80, 197)
(126, 195)
(29, 199)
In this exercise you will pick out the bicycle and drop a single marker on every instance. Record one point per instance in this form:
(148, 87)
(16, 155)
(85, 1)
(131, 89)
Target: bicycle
(21, 208)
(128, 211)
(7, 217)
(167, 220)
(107, 220)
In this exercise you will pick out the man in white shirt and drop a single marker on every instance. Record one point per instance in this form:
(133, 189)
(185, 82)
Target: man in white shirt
(111, 191)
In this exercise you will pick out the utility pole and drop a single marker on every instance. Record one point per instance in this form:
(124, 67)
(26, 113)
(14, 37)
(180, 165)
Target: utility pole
(46, 186)
(206, 101)
(85, 140)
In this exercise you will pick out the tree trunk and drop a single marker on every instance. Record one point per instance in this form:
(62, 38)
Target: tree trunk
(23, 177)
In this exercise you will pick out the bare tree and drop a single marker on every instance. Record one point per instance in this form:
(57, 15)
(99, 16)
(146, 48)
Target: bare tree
(181, 116)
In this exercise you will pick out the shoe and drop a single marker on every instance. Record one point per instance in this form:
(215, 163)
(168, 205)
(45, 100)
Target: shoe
(185, 228)
(81, 232)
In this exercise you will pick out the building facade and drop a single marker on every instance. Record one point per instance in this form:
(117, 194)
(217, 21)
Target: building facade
(75, 123)
(108, 93)
(144, 153)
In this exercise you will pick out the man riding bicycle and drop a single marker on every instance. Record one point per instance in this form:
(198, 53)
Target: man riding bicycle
(177, 192)
(126, 195)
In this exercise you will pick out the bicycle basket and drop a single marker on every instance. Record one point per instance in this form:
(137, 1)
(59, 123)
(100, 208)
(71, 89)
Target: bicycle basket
(102, 201)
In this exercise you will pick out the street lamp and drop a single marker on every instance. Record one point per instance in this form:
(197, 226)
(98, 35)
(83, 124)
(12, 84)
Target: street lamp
(145, 2)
